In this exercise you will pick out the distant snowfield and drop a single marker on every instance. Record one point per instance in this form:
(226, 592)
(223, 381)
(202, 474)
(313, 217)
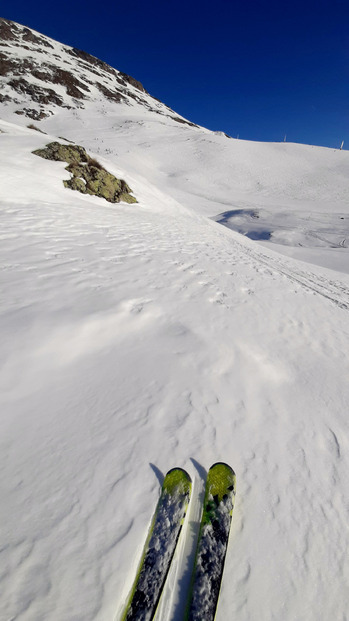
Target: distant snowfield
(297, 196)
(137, 338)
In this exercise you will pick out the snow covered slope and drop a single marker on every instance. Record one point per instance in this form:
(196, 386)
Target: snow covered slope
(292, 196)
(137, 338)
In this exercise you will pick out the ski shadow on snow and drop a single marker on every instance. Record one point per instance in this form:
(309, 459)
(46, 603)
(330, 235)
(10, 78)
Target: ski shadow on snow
(202, 472)
(193, 526)
(160, 477)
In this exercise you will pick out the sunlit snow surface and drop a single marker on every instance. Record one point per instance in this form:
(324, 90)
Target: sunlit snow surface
(138, 338)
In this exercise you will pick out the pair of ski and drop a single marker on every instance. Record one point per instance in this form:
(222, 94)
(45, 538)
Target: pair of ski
(163, 537)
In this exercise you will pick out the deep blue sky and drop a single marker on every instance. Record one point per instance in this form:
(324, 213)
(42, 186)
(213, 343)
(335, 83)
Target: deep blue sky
(257, 69)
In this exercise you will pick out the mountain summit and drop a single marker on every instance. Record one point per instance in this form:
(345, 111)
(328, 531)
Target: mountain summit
(40, 76)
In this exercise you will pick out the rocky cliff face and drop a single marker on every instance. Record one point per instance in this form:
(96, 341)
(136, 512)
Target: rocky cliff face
(40, 76)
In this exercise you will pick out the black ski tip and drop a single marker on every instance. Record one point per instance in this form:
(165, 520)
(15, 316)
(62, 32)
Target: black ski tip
(222, 463)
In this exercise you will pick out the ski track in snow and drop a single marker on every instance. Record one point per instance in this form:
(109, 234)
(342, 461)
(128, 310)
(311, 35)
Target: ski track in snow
(135, 339)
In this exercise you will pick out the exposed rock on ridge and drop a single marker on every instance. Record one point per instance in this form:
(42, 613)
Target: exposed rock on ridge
(40, 75)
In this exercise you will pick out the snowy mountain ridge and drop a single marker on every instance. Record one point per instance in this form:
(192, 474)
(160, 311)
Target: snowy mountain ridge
(48, 75)
(136, 338)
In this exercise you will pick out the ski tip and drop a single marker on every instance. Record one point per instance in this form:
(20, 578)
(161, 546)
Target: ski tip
(180, 471)
(221, 480)
(177, 478)
(222, 463)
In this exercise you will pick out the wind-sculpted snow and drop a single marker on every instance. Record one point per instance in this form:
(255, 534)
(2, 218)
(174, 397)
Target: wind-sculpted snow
(152, 335)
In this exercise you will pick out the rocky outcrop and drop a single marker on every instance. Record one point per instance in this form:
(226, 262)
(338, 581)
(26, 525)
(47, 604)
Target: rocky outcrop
(88, 175)
(36, 93)
(10, 31)
(63, 153)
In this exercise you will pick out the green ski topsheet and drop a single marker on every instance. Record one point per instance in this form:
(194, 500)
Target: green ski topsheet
(212, 543)
(159, 547)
